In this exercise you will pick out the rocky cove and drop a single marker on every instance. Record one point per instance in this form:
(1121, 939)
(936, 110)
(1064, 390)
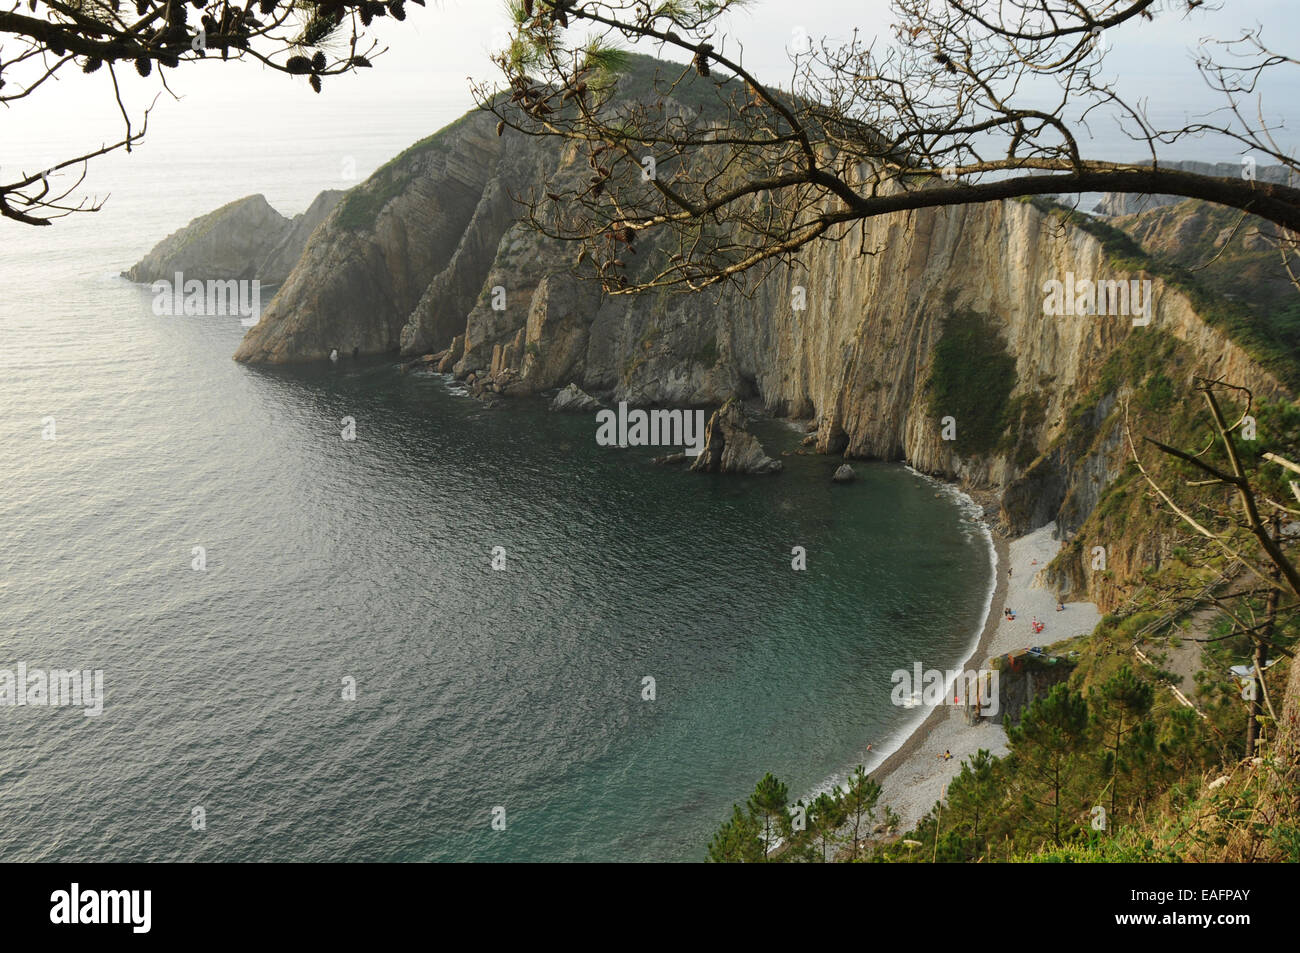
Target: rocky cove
(427, 261)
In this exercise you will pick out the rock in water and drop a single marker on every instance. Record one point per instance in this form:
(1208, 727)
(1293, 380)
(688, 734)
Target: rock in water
(844, 474)
(574, 400)
(730, 448)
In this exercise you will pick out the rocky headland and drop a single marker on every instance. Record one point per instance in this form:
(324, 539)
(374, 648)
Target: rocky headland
(243, 240)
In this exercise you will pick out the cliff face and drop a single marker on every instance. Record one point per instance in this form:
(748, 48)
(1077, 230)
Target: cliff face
(426, 256)
(859, 357)
(243, 240)
(392, 243)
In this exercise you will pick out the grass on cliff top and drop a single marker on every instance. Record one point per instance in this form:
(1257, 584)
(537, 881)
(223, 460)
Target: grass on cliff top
(645, 75)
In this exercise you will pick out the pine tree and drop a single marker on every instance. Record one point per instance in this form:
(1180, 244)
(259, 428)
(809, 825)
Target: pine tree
(826, 815)
(860, 799)
(973, 793)
(769, 804)
(738, 840)
(1119, 710)
(1046, 743)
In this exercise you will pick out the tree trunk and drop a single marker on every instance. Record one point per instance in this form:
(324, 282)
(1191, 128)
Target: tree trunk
(1288, 733)
(1261, 659)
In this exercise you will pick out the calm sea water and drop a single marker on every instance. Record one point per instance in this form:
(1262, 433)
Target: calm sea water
(370, 560)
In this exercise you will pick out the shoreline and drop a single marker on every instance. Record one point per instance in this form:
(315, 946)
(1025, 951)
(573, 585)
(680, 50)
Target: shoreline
(916, 775)
(905, 751)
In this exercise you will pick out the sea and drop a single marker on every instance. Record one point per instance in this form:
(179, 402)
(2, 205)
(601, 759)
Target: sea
(464, 633)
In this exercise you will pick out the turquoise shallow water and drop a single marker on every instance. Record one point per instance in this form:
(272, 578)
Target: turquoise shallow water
(370, 559)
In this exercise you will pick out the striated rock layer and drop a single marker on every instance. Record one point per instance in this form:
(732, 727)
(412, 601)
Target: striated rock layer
(392, 248)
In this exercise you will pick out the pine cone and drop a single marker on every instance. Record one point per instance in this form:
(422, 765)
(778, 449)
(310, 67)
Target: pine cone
(702, 58)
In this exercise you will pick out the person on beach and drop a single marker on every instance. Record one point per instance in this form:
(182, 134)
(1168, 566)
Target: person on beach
(947, 755)
(1060, 607)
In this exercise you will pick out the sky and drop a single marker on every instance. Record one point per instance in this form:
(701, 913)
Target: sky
(424, 76)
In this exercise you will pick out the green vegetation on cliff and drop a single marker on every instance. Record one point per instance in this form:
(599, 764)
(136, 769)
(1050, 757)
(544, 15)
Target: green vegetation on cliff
(971, 380)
